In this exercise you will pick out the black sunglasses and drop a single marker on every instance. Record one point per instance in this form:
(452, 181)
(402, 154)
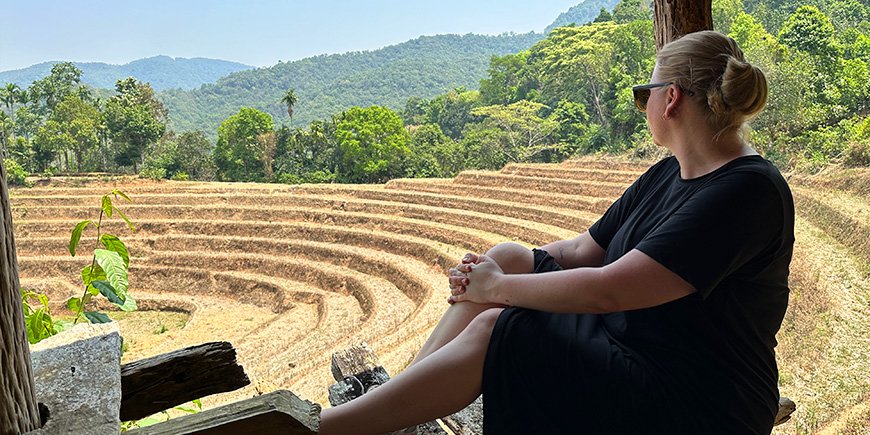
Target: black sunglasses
(642, 93)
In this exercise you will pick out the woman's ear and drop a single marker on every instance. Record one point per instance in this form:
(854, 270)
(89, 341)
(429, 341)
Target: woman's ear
(673, 98)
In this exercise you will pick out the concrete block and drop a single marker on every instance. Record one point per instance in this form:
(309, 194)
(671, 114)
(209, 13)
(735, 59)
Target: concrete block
(78, 377)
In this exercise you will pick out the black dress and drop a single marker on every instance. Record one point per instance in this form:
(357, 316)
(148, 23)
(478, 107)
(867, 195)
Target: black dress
(702, 364)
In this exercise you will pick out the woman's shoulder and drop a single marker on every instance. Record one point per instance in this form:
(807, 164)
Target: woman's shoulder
(754, 167)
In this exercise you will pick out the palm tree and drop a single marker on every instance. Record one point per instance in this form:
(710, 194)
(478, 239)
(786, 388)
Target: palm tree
(290, 100)
(9, 95)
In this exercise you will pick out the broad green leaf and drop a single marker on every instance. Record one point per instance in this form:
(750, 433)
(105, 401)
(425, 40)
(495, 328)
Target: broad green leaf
(89, 275)
(76, 236)
(62, 325)
(118, 193)
(96, 317)
(43, 300)
(74, 304)
(113, 265)
(106, 290)
(129, 304)
(126, 219)
(113, 243)
(107, 205)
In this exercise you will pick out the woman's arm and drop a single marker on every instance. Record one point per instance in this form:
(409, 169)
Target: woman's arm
(581, 251)
(634, 281)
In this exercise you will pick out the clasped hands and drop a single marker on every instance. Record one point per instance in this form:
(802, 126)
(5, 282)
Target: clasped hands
(474, 279)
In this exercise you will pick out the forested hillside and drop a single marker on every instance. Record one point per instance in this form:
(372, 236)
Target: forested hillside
(162, 72)
(326, 85)
(581, 13)
(423, 108)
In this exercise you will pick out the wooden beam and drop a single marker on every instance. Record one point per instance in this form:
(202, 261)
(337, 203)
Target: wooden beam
(18, 407)
(675, 18)
(171, 379)
(278, 412)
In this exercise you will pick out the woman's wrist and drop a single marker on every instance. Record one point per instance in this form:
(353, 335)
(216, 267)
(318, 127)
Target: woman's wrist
(501, 289)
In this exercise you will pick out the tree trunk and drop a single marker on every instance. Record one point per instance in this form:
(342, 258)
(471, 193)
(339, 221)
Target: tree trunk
(18, 407)
(675, 18)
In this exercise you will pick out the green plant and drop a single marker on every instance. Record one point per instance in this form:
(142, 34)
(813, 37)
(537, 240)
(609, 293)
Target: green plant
(180, 176)
(107, 273)
(161, 416)
(15, 173)
(37, 318)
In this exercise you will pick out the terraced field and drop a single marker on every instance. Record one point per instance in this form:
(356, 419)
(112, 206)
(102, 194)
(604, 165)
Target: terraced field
(290, 274)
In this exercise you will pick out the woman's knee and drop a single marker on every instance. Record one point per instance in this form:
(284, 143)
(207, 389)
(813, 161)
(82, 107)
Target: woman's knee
(482, 325)
(512, 257)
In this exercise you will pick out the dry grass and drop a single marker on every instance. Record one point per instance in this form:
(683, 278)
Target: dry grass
(290, 274)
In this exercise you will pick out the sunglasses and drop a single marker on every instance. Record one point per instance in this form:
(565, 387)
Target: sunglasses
(642, 93)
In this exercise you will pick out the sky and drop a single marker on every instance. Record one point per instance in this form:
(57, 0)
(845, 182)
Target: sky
(253, 32)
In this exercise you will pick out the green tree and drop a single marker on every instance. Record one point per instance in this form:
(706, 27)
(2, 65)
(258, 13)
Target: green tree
(289, 100)
(373, 145)
(307, 156)
(238, 155)
(507, 81)
(135, 119)
(809, 29)
(724, 13)
(452, 111)
(51, 139)
(433, 154)
(80, 121)
(631, 10)
(415, 111)
(194, 150)
(524, 135)
(603, 16)
(49, 91)
(27, 121)
(7, 128)
(9, 95)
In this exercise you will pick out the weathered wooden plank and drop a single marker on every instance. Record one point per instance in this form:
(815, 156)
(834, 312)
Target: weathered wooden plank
(153, 384)
(278, 412)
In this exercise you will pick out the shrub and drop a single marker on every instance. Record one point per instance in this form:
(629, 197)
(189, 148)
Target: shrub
(15, 174)
(152, 172)
(180, 176)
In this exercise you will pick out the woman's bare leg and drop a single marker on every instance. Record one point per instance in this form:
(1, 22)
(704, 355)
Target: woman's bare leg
(443, 383)
(513, 258)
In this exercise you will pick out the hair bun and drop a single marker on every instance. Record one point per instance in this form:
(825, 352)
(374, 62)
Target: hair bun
(743, 88)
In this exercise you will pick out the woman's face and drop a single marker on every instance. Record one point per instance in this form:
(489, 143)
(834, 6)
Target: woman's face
(655, 108)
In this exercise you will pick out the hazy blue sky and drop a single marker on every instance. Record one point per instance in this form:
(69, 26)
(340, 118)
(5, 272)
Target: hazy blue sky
(253, 32)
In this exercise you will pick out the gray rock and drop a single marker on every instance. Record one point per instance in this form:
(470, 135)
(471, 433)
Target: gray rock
(78, 377)
(469, 421)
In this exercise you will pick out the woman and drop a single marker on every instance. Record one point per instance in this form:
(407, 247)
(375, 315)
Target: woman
(661, 318)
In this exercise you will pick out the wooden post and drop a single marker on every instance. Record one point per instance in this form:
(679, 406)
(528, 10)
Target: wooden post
(675, 18)
(18, 406)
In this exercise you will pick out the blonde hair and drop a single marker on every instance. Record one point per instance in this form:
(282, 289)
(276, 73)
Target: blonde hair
(712, 66)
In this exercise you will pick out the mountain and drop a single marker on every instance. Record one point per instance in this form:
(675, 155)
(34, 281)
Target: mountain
(582, 13)
(163, 72)
(327, 84)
